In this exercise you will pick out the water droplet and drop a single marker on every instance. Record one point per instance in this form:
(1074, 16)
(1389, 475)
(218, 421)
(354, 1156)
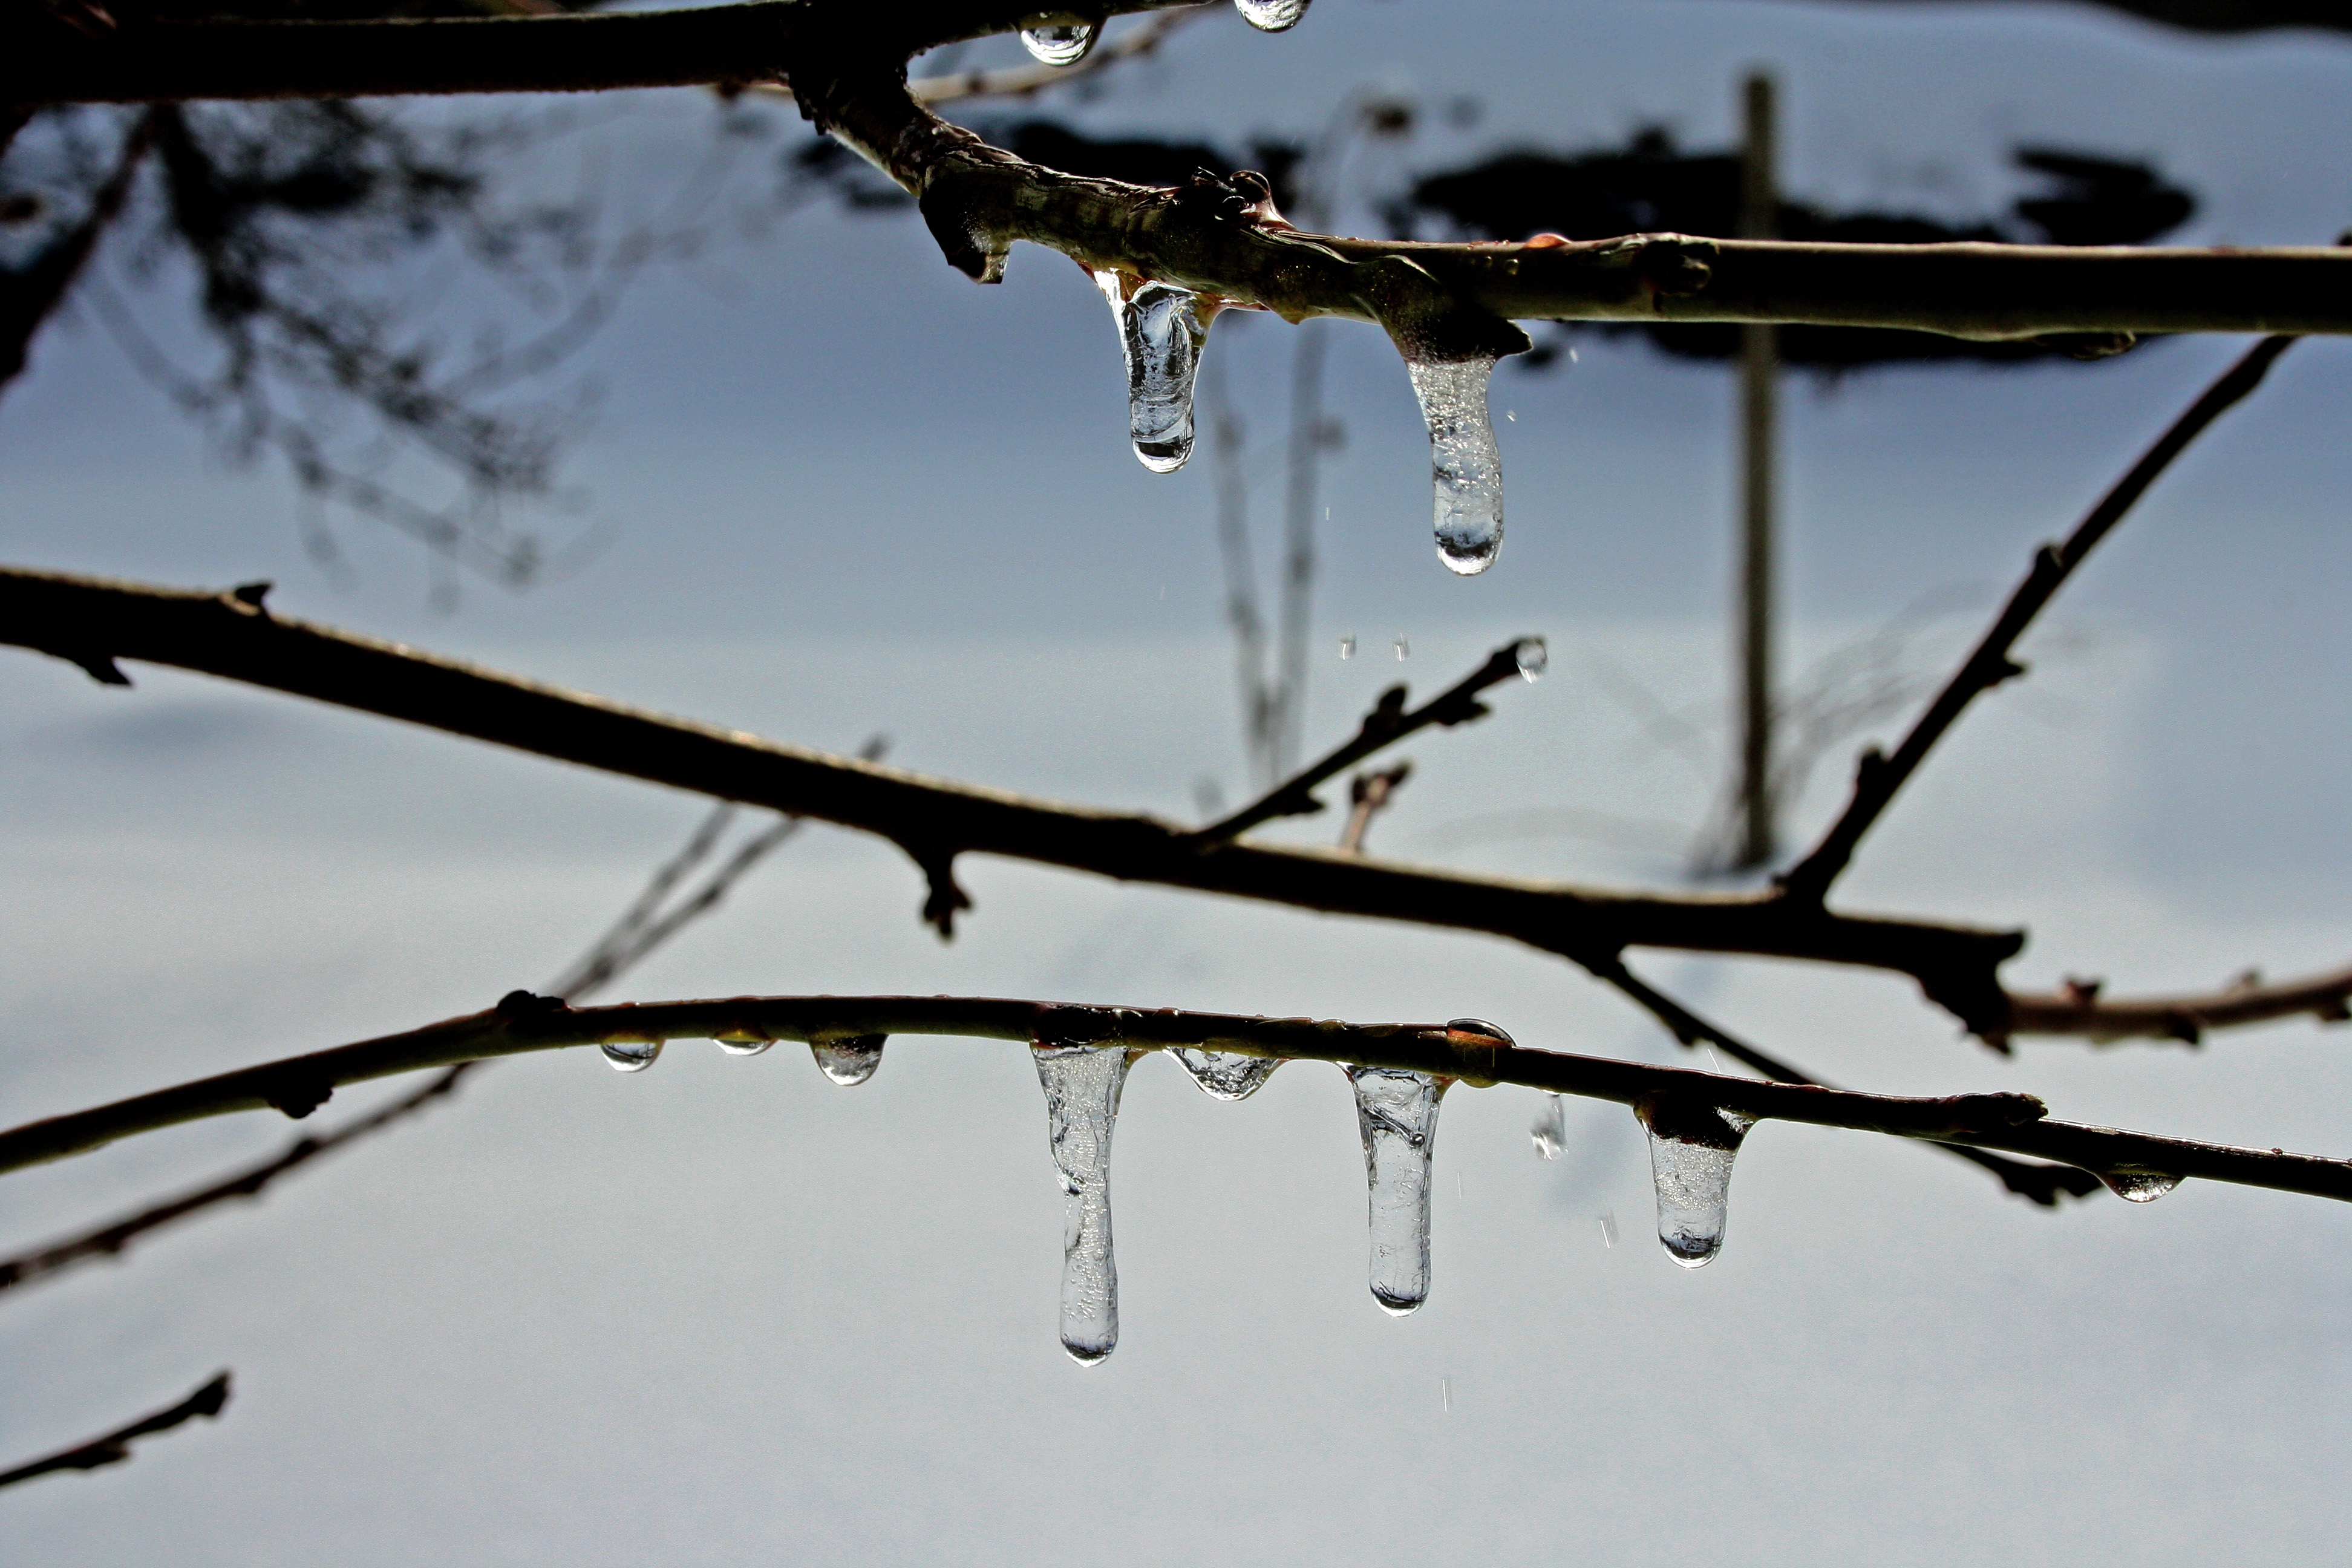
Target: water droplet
(1227, 1075)
(1397, 1114)
(1272, 15)
(1059, 43)
(1608, 1228)
(1692, 1145)
(1347, 648)
(1512, 415)
(1571, 356)
(1464, 459)
(2140, 1186)
(1549, 1129)
(848, 1059)
(1404, 650)
(1082, 1085)
(1160, 333)
(1533, 659)
(631, 1056)
(742, 1043)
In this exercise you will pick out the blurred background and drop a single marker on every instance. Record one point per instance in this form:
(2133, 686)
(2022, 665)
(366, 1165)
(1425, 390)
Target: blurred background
(769, 462)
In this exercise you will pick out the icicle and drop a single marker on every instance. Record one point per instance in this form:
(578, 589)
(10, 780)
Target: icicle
(2140, 1186)
(1082, 1085)
(1272, 15)
(1533, 659)
(1692, 1145)
(1160, 333)
(1059, 43)
(848, 1059)
(631, 1056)
(1551, 1128)
(1397, 1114)
(1225, 1075)
(1464, 459)
(742, 1043)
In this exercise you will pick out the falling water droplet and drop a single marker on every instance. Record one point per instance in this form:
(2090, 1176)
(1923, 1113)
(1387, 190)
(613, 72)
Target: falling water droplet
(2140, 1186)
(1571, 356)
(631, 1056)
(1347, 648)
(1607, 1229)
(1464, 459)
(1512, 415)
(848, 1059)
(1160, 333)
(1227, 1075)
(1533, 659)
(1404, 650)
(1059, 42)
(1692, 1145)
(1082, 1085)
(1397, 1114)
(1551, 1128)
(1272, 15)
(742, 1043)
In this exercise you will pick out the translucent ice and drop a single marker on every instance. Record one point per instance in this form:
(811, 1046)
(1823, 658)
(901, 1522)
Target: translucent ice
(848, 1059)
(1465, 462)
(1082, 1085)
(1549, 1129)
(1397, 1114)
(1692, 1145)
(1160, 332)
(1225, 1075)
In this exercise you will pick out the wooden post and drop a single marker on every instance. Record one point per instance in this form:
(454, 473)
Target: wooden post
(1758, 375)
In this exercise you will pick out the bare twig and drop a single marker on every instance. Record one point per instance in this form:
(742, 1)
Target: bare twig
(29, 296)
(523, 1023)
(1879, 777)
(1368, 796)
(2080, 1010)
(115, 1447)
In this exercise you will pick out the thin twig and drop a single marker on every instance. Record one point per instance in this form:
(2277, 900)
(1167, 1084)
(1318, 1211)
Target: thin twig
(2079, 1009)
(115, 1447)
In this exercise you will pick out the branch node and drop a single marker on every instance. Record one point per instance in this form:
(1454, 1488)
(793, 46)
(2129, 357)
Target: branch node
(252, 594)
(945, 897)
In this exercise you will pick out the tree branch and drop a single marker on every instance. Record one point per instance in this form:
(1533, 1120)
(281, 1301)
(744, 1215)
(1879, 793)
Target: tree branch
(91, 622)
(2080, 1010)
(115, 1447)
(523, 1023)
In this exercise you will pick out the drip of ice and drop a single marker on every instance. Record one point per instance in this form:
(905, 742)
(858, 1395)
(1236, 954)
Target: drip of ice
(1062, 43)
(848, 1059)
(1161, 333)
(1549, 1129)
(1463, 457)
(1082, 1085)
(1692, 1145)
(2140, 1186)
(631, 1056)
(1272, 15)
(1397, 1114)
(1225, 1075)
(1347, 648)
(1533, 659)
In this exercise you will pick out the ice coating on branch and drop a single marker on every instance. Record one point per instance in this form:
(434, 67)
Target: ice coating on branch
(848, 1059)
(631, 1056)
(1082, 1085)
(1160, 333)
(1272, 15)
(1692, 1145)
(1549, 1129)
(742, 1043)
(1063, 43)
(1397, 1114)
(1464, 460)
(2140, 1186)
(1225, 1075)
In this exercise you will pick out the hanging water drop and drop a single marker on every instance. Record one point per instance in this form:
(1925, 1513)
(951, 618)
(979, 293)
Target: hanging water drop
(1347, 648)
(1533, 659)
(1396, 1112)
(1160, 333)
(1465, 462)
(2140, 1186)
(1272, 15)
(1059, 41)
(631, 1056)
(1225, 1075)
(742, 1043)
(1692, 1145)
(1082, 1085)
(848, 1059)
(1549, 1129)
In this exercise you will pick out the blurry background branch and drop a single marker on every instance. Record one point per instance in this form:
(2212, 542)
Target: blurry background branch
(115, 1447)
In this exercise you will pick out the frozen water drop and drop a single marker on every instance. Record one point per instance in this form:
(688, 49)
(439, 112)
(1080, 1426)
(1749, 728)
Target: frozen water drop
(1465, 462)
(1225, 1075)
(848, 1059)
(1346, 647)
(1692, 1145)
(2140, 1186)
(1082, 1085)
(1549, 1129)
(1272, 15)
(742, 1043)
(1397, 1114)
(1059, 42)
(1161, 333)
(631, 1056)
(1533, 659)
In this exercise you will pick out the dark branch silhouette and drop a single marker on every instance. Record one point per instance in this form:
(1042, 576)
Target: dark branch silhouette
(115, 1447)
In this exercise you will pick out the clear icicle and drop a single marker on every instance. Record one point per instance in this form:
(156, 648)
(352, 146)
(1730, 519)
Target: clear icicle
(1692, 1145)
(631, 1056)
(1397, 1114)
(1272, 15)
(1160, 333)
(742, 1043)
(2140, 1186)
(1465, 463)
(1549, 1129)
(1062, 43)
(1082, 1085)
(1533, 659)
(848, 1059)
(1225, 1075)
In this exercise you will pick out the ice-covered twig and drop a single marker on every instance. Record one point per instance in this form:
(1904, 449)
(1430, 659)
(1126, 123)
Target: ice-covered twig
(115, 1447)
